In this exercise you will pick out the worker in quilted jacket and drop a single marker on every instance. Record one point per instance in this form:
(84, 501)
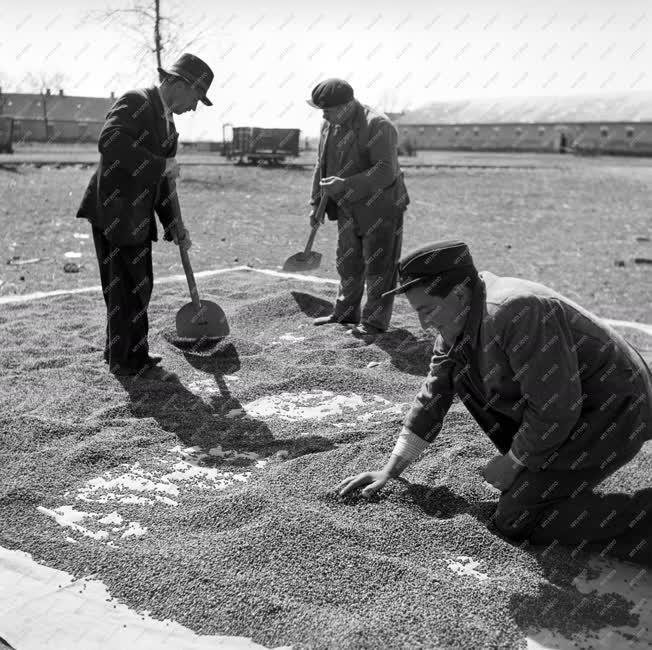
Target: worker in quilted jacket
(357, 169)
(563, 397)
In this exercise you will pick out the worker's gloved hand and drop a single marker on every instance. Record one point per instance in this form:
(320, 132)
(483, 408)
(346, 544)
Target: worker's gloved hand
(183, 239)
(172, 169)
(312, 217)
(374, 481)
(332, 186)
(501, 472)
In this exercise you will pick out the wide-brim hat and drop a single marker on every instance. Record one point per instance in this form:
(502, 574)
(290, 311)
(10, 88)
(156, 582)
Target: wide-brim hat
(193, 71)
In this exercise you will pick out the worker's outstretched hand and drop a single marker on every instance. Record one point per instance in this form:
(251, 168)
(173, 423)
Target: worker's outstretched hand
(373, 480)
(501, 472)
(183, 239)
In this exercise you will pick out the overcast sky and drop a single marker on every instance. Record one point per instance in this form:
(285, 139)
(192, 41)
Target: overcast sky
(267, 56)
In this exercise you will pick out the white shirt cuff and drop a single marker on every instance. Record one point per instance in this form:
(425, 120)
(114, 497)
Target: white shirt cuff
(510, 453)
(409, 445)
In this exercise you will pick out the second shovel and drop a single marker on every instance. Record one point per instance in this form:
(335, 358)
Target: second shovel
(307, 259)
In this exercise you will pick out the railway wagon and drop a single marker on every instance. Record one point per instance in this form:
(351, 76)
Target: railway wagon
(255, 145)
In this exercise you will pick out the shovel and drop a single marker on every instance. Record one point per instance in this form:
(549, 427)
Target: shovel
(308, 259)
(198, 319)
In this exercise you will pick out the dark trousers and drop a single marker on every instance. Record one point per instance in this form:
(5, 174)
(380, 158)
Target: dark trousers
(126, 274)
(561, 507)
(367, 254)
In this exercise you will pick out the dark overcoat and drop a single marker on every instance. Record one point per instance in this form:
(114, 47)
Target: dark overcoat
(129, 184)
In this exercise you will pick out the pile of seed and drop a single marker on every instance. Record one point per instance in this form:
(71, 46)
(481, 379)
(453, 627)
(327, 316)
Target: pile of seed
(284, 560)
(280, 558)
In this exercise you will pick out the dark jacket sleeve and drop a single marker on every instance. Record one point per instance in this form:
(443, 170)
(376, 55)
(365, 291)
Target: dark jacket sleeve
(163, 206)
(163, 209)
(432, 402)
(383, 155)
(315, 190)
(121, 137)
(538, 343)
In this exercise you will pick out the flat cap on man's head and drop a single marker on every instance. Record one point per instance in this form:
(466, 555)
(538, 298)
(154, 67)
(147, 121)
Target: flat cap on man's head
(329, 93)
(431, 261)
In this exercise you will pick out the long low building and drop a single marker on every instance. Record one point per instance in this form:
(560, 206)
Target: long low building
(614, 123)
(45, 117)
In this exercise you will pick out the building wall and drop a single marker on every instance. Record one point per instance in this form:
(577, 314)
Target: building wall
(31, 130)
(69, 118)
(623, 138)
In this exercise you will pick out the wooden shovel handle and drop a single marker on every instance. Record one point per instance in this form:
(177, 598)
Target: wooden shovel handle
(319, 215)
(185, 259)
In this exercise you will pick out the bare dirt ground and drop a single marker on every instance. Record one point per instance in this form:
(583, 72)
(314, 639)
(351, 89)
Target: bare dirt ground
(208, 500)
(568, 226)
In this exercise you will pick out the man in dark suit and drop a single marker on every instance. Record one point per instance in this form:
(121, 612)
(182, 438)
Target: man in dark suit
(137, 147)
(357, 168)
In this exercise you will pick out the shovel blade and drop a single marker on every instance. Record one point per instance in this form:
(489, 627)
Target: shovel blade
(303, 262)
(207, 323)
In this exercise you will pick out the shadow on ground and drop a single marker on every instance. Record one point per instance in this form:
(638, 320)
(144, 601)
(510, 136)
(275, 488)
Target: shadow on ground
(312, 305)
(213, 420)
(555, 606)
(407, 353)
(441, 502)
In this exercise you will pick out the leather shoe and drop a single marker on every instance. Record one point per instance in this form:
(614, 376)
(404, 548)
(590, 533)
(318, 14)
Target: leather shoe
(150, 361)
(156, 373)
(122, 371)
(365, 329)
(327, 320)
(146, 372)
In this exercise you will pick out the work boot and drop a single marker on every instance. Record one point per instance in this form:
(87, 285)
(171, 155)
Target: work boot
(366, 330)
(155, 373)
(327, 320)
(150, 361)
(145, 373)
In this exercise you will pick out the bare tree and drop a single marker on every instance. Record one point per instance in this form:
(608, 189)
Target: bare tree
(158, 32)
(42, 82)
(390, 101)
(6, 80)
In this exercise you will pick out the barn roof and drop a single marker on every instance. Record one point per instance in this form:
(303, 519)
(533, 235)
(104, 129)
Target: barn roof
(604, 107)
(59, 107)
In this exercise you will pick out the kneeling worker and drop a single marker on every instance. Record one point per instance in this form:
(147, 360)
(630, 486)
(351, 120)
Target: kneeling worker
(564, 398)
(357, 168)
(137, 147)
